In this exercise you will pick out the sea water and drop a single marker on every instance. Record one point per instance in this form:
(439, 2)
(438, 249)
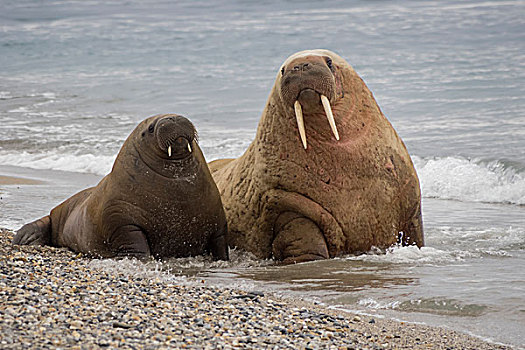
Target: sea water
(76, 77)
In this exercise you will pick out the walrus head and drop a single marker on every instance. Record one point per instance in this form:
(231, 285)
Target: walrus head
(310, 83)
(166, 144)
(173, 134)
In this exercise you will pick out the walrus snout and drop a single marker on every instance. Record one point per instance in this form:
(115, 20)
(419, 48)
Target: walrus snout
(310, 100)
(298, 76)
(175, 135)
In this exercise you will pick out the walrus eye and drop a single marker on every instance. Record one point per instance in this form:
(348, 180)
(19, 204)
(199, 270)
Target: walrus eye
(151, 128)
(329, 63)
(282, 71)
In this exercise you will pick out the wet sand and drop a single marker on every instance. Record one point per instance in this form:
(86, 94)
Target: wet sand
(53, 297)
(13, 180)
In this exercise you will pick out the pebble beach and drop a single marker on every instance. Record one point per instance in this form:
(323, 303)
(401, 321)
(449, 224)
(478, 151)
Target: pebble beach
(54, 298)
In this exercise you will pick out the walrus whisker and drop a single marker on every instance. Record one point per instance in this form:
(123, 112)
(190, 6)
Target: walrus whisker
(330, 115)
(169, 151)
(300, 122)
(189, 148)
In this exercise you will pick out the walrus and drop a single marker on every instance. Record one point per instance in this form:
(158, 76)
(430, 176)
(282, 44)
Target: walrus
(158, 200)
(326, 174)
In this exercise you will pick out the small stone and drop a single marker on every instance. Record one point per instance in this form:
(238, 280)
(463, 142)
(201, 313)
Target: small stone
(103, 342)
(122, 325)
(76, 324)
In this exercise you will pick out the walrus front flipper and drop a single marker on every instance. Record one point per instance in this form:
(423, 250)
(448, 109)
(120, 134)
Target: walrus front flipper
(218, 246)
(37, 232)
(130, 241)
(298, 240)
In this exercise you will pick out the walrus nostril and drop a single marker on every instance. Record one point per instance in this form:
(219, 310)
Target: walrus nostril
(302, 66)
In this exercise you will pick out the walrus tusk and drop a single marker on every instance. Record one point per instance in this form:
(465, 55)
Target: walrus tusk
(189, 147)
(300, 122)
(329, 115)
(169, 151)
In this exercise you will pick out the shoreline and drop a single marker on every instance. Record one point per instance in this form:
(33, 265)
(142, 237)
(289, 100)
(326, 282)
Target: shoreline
(53, 297)
(15, 180)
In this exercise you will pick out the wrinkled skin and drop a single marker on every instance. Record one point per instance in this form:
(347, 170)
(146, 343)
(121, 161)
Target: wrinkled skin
(159, 200)
(334, 197)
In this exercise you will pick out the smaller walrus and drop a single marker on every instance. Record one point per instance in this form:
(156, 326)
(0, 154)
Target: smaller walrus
(159, 199)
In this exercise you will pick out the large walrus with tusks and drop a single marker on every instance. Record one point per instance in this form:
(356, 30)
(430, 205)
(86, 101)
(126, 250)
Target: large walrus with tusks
(326, 174)
(159, 200)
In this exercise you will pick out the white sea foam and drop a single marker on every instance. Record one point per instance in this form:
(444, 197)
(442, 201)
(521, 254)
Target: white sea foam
(82, 163)
(4, 95)
(239, 259)
(439, 305)
(186, 271)
(460, 243)
(413, 255)
(495, 241)
(153, 270)
(470, 180)
(372, 303)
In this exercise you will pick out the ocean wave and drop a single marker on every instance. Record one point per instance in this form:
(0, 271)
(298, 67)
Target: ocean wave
(412, 255)
(440, 306)
(82, 163)
(486, 241)
(446, 245)
(5, 95)
(372, 303)
(453, 178)
(469, 180)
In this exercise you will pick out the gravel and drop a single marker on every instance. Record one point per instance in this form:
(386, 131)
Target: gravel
(55, 298)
